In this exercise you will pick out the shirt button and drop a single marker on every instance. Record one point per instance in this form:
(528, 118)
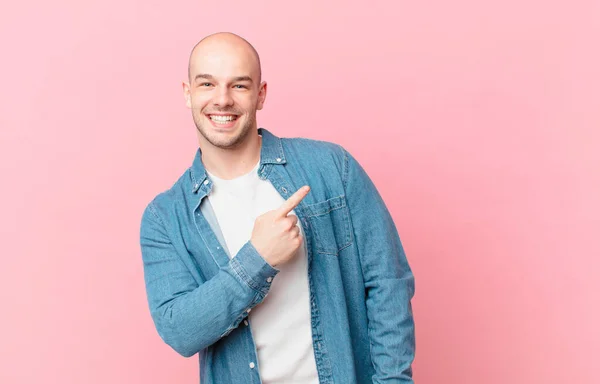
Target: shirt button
(279, 160)
(246, 323)
(206, 182)
(248, 310)
(196, 186)
(251, 365)
(269, 279)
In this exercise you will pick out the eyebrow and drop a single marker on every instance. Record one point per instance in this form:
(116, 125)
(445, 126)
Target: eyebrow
(211, 77)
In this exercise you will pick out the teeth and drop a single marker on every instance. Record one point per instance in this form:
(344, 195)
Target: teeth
(221, 119)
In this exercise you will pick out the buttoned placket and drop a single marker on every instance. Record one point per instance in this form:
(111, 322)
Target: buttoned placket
(281, 184)
(221, 258)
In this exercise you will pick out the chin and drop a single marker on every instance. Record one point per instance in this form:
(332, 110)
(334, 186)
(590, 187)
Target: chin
(224, 140)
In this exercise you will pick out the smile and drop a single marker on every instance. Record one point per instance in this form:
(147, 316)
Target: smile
(222, 119)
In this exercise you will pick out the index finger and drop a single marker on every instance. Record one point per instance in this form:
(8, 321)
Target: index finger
(293, 201)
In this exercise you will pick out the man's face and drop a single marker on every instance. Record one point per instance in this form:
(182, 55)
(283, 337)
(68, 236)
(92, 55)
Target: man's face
(224, 94)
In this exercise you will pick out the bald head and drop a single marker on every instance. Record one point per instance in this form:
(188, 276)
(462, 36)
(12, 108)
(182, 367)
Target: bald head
(224, 91)
(223, 43)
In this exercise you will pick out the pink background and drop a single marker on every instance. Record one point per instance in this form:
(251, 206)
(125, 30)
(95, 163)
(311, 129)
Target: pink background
(477, 120)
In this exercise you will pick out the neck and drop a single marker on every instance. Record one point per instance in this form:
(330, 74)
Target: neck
(229, 163)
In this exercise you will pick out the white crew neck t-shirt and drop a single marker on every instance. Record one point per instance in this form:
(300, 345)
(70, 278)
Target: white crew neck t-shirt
(281, 324)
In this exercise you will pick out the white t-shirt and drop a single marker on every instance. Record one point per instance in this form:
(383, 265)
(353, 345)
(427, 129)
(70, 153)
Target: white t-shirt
(281, 324)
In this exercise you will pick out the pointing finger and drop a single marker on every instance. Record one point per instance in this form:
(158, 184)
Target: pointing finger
(293, 201)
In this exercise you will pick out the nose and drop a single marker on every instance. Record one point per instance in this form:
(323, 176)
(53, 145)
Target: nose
(222, 97)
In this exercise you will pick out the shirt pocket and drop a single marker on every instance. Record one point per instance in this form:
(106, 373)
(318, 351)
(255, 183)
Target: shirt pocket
(330, 223)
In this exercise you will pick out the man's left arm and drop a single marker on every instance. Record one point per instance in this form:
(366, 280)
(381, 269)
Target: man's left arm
(389, 282)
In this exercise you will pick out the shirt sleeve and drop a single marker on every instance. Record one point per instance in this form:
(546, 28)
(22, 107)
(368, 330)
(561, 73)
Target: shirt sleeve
(190, 316)
(389, 281)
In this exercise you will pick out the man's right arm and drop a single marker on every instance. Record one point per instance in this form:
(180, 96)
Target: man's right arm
(190, 317)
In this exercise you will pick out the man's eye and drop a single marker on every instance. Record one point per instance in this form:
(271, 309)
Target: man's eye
(205, 84)
(239, 86)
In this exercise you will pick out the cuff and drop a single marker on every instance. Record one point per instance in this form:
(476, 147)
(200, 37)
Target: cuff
(252, 269)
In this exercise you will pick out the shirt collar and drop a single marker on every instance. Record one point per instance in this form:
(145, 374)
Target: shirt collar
(271, 152)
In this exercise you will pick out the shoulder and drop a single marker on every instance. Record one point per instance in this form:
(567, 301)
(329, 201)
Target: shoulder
(167, 200)
(315, 151)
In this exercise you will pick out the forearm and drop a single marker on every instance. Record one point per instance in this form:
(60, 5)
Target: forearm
(389, 285)
(391, 329)
(192, 321)
(190, 316)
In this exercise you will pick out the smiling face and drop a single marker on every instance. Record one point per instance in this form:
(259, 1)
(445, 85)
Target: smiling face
(224, 90)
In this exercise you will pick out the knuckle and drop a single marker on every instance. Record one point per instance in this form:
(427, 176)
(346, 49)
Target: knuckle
(284, 225)
(289, 223)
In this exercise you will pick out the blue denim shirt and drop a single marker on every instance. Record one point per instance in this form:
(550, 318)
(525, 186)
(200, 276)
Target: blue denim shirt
(360, 282)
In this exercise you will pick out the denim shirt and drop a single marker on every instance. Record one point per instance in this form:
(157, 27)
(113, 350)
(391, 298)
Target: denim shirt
(360, 282)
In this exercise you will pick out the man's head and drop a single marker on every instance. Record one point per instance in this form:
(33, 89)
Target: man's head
(224, 89)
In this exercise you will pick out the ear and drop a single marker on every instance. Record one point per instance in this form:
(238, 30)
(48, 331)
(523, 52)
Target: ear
(262, 95)
(186, 94)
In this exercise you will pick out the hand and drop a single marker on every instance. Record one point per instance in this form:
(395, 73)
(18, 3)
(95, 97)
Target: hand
(275, 235)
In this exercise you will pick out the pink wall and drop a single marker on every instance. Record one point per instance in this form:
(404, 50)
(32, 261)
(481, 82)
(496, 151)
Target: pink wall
(477, 121)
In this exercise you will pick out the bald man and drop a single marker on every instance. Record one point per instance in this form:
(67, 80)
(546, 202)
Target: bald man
(275, 259)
